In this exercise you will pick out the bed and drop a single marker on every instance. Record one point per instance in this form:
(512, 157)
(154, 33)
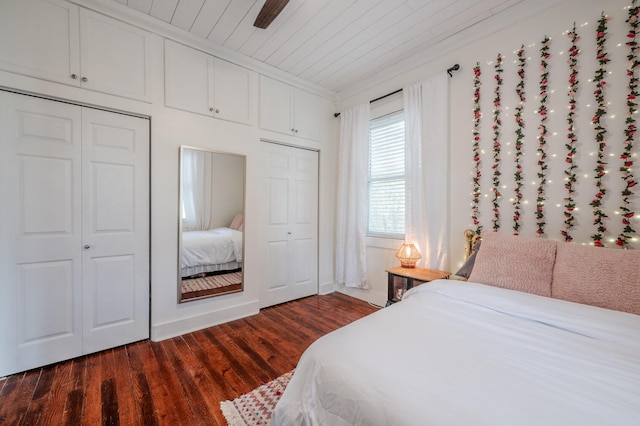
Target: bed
(213, 250)
(507, 350)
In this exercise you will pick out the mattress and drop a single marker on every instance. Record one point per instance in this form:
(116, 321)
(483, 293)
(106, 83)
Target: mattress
(211, 250)
(454, 353)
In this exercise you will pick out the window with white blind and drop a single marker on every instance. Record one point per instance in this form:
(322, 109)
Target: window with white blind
(386, 176)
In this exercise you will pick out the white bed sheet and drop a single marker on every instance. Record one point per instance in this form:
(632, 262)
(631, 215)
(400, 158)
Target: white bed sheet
(454, 353)
(211, 247)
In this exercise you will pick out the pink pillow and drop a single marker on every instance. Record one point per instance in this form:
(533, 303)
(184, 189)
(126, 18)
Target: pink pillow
(236, 223)
(515, 262)
(605, 277)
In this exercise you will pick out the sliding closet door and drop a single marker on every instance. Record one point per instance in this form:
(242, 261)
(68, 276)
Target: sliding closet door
(291, 223)
(115, 198)
(40, 232)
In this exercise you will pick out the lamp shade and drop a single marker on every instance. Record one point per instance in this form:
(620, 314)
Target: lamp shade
(408, 255)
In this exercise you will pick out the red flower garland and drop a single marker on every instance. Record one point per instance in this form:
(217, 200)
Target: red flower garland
(520, 124)
(570, 172)
(475, 202)
(497, 123)
(597, 120)
(632, 104)
(542, 141)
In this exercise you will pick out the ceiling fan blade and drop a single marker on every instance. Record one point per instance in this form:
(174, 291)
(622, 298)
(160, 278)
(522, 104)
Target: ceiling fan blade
(269, 12)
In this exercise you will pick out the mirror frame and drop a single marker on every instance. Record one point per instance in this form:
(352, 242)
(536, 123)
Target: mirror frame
(244, 206)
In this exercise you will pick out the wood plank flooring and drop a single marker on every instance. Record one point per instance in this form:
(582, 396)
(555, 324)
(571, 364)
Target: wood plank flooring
(176, 381)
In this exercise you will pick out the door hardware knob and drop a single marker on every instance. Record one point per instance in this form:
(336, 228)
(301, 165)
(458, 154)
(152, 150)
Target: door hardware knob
(84, 79)
(74, 76)
(87, 246)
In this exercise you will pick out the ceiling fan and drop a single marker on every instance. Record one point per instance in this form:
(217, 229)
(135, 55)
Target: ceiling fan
(269, 12)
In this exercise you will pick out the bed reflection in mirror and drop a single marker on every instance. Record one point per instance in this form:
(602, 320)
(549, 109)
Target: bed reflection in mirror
(211, 225)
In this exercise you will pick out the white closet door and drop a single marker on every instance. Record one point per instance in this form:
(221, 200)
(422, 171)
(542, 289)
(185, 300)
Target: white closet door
(40, 232)
(291, 223)
(115, 195)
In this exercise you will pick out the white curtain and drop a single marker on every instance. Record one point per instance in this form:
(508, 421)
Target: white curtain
(351, 209)
(426, 108)
(196, 189)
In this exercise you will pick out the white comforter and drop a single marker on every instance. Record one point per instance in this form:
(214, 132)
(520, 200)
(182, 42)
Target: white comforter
(454, 353)
(220, 245)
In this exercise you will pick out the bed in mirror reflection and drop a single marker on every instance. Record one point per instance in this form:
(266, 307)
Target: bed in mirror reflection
(211, 223)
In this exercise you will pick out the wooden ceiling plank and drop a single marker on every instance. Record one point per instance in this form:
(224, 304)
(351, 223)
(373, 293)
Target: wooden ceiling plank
(186, 13)
(210, 14)
(164, 9)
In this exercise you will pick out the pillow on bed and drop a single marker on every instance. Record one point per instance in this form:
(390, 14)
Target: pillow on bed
(467, 267)
(236, 223)
(604, 277)
(515, 262)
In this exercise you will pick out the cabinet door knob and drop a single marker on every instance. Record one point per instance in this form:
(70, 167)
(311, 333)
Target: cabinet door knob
(296, 131)
(84, 79)
(87, 246)
(211, 109)
(289, 232)
(217, 111)
(293, 130)
(74, 76)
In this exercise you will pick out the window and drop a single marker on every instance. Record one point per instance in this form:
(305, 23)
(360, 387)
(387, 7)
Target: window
(386, 176)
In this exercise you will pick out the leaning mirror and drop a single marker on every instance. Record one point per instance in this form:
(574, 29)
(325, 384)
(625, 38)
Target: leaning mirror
(211, 225)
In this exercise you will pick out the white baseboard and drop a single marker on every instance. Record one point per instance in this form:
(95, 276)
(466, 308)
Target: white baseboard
(326, 288)
(181, 326)
(370, 296)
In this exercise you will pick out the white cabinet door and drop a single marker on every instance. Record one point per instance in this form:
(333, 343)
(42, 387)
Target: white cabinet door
(40, 39)
(291, 223)
(40, 242)
(201, 83)
(115, 197)
(276, 100)
(232, 92)
(289, 110)
(74, 231)
(308, 114)
(114, 57)
(187, 79)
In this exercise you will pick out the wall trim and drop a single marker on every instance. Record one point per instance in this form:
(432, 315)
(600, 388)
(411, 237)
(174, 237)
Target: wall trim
(326, 288)
(197, 322)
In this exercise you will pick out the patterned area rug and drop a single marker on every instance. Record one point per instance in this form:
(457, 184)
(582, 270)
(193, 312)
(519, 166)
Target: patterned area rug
(210, 282)
(255, 408)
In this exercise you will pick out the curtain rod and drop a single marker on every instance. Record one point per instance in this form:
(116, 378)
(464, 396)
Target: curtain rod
(455, 67)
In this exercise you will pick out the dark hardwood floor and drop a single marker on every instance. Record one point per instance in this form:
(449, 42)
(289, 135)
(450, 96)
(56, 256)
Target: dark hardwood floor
(176, 381)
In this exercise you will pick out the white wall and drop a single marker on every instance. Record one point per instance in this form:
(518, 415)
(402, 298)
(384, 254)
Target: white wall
(171, 128)
(530, 32)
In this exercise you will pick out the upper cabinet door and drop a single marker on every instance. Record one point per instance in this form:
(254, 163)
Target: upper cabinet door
(40, 39)
(114, 57)
(232, 92)
(276, 101)
(187, 79)
(201, 83)
(308, 114)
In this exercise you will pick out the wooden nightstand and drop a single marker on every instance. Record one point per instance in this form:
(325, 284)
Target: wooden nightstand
(402, 279)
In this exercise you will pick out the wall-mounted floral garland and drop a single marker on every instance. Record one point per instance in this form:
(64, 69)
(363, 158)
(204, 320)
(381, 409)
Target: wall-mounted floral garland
(630, 130)
(477, 114)
(497, 125)
(542, 137)
(520, 124)
(572, 139)
(598, 121)
(575, 56)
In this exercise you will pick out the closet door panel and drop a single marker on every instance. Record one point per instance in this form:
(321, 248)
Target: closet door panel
(40, 242)
(291, 230)
(116, 229)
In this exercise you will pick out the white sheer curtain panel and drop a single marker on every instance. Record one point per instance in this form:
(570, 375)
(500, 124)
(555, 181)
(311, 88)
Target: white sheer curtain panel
(351, 211)
(196, 189)
(426, 106)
